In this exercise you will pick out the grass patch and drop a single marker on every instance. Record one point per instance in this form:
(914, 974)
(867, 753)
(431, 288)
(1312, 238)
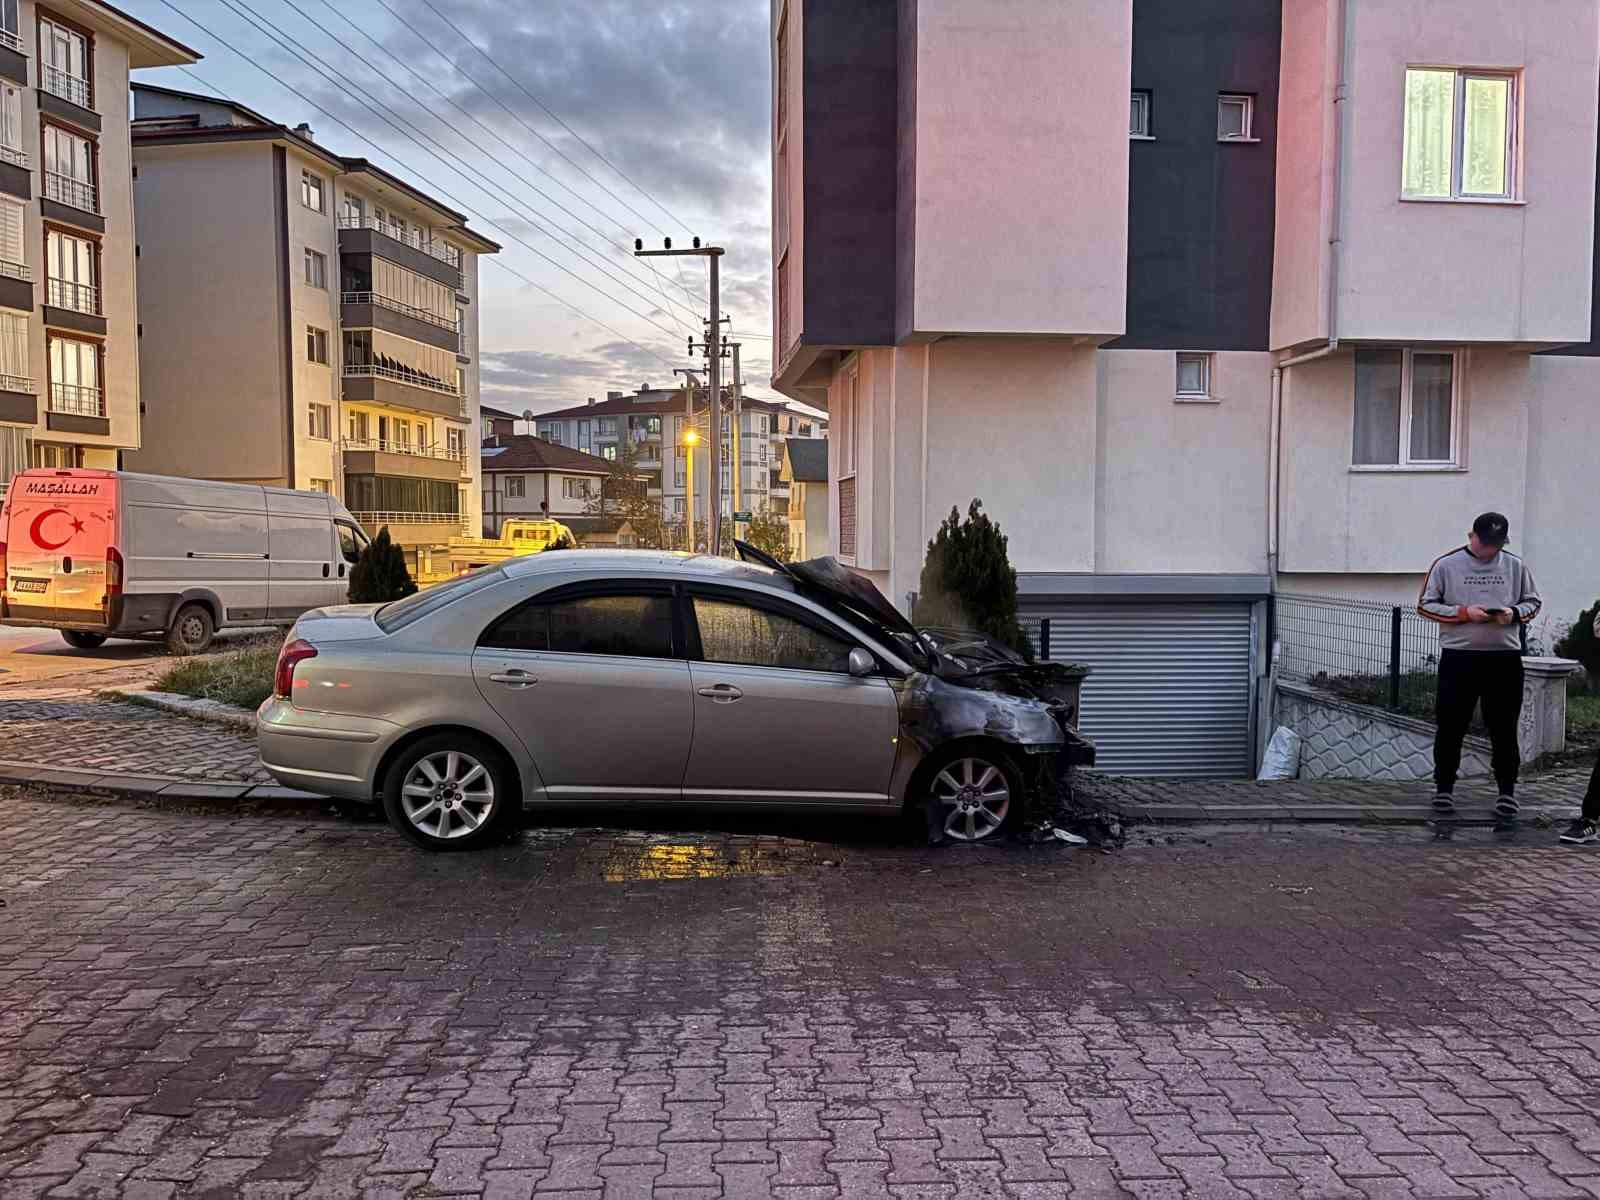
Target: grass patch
(1583, 715)
(241, 677)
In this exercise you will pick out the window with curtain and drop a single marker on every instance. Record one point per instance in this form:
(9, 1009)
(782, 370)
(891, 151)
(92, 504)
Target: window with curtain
(14, 348)
(1406, 408)
(417, 292)
(11, 243)
(68, 154)
(1460, 134)
(11, 121)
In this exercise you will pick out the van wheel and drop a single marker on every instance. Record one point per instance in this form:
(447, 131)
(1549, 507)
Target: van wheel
(83, 641)
(191, 630)
(450, 791)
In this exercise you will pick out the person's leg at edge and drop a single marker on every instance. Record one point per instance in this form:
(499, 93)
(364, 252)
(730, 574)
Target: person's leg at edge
(1458, 696)
(1586, 828)
(1502, 711)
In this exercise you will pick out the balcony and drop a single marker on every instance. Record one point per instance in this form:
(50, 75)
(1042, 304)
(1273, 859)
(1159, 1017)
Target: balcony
(372, 456)
(16, 173)
(414, 528)
(71, 305)
(13, 58)
(368, 235)
(16, 285)
(74, 201)
(68, 87)
(373, 310)
(19, 400)
(77, 408)
(402, 387)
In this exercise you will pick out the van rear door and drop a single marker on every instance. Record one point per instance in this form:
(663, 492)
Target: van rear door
(60, 526)
(301, 540)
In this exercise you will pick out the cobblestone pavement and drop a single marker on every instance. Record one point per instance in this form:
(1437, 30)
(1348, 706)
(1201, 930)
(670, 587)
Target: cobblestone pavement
(269, 1007)
(73, 728)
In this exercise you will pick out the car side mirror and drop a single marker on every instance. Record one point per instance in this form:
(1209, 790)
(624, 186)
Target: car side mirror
(862, 664)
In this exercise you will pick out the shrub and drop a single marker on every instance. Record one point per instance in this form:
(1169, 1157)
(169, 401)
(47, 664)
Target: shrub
(968, 581)
(240, 676)
(1581, 643)
(380, 575)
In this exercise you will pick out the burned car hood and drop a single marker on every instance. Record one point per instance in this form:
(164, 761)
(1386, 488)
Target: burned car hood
(839, 583)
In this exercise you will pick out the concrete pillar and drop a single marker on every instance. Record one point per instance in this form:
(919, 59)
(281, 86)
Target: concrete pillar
(1543, 725)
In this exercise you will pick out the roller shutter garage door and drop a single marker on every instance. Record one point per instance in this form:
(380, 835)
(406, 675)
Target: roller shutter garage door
(1170, 693)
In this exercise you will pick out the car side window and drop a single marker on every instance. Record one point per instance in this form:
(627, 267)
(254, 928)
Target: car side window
(629, 624)
(349, 545)
(744, 635)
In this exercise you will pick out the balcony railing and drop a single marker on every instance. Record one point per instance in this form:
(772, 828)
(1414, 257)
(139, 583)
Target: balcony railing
(375, 518)
(72, 192)
(14, 156)
(416, 379)
(390, 446)
(12, 42)
(77, 399)
(15, 383)
(406, 236)
(418, 314)
(16, 270)
(69, 87)
(79, 297)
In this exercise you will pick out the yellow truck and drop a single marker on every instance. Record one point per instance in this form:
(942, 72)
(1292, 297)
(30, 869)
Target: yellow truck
(516, 539)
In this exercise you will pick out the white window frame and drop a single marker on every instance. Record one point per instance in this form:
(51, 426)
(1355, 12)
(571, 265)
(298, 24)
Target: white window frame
(312, 187)
(317, 345)
(319, 422)
(1456, 461)
(10, 25)
(1139, 105)
(850, 414)
(1247, 126)
(1207, 361)
(316, 265)
(574, 488)
(13, 145)
(516, 487)
(1458, 118)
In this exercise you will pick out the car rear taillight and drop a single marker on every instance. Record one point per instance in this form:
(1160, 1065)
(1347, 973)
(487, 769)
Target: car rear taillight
(293, 653)
(2, 572)
(113, 572)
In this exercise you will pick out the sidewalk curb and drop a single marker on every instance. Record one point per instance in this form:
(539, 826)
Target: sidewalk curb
(1288, 816)
(189, 706)
(163, 791)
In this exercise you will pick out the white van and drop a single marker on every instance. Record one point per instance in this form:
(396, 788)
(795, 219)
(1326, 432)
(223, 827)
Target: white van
(100, 554)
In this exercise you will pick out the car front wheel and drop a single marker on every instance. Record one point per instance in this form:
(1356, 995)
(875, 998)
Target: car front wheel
(974, 794)
(449, 792)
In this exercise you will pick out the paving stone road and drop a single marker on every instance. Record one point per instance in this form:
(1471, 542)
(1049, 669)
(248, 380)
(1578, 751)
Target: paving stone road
(278, 1007)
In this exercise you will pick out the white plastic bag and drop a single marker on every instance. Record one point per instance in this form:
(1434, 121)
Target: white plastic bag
(1282, 759)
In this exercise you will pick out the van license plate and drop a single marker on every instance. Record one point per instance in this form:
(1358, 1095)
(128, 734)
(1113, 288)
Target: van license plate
(30, 585)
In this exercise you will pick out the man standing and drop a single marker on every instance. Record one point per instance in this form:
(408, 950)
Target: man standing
(1586, 828)
(1481, 595)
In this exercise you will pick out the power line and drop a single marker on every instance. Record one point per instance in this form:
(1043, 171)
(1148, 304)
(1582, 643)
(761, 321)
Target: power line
(426, 82)
(211, 87)
(372, 104)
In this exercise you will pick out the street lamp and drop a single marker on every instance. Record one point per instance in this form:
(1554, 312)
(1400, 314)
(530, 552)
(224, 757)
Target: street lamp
(690, 439)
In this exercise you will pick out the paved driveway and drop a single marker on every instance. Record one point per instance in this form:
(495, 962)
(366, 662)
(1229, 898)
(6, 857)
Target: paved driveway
(273, 1006)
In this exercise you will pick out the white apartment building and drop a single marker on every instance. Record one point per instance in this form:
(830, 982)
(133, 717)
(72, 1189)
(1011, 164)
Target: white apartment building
(69, 316)
(655, 421)
(330, 340)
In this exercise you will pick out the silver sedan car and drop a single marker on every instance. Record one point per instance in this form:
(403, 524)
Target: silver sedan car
(634, 677)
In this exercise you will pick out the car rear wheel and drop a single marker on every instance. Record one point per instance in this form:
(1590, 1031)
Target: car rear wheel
(974, 794)
(191, 630)
(450, 792)
(83, 641)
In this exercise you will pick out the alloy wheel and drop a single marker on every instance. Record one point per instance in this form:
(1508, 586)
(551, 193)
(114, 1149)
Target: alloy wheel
(975, 796)
(448, 794)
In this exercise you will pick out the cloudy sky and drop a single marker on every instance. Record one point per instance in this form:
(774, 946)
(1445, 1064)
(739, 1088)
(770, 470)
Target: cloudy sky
(586, 123)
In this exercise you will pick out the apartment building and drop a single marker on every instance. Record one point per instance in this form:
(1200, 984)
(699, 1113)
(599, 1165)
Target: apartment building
(528, 477)
(1207, 300)
(655, 421)
(310, 320)
(69, 318)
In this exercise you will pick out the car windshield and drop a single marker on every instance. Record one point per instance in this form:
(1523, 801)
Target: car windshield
(397, 614)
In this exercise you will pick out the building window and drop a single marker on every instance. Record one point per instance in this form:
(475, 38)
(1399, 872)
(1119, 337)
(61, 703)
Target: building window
(516, 487)
(609, 452)
(311, 191)
(1460, 134)
(680, 506)
(322, 485)
(1235, 118)
(1194, 377)
(13, 259)
(14, 373)
(10, 30)
(574, 489)
(72, 280)
(847, 424)
(608, 427)
(1406, 408)
(53, 457)
(550, 431)
(69, 169)
(320, 421)
(453, 443)
(316, 345)
(353, 212)
(1139, 115)
(586, 436)
(11, 145)
(316, 268)
(75, 377)
(64, 58)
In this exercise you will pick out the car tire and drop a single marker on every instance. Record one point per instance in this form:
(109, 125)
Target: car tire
(192, 630)
(451, 791)
(83, 641)
(971, 793)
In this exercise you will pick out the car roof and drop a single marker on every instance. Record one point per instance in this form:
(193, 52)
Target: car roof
(704, 568)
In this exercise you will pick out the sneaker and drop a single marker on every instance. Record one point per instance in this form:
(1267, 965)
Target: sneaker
(1581, 832)
(1506, 806)
(1444, 805)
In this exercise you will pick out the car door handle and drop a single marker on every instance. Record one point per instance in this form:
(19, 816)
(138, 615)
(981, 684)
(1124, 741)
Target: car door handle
(514, 678)
(722, 693)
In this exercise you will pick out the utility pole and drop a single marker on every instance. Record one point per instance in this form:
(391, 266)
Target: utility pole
(713, 255)
(738, 438)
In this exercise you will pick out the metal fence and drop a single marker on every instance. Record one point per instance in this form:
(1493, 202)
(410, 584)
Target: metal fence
(1381, 654)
